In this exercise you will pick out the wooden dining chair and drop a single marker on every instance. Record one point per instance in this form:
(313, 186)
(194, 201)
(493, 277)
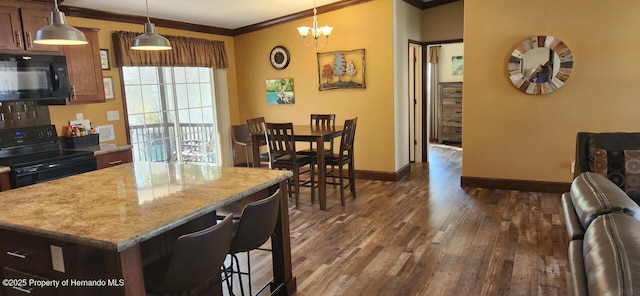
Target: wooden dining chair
(256, 128)
(321, 121)
(281, 145)
(344, 156)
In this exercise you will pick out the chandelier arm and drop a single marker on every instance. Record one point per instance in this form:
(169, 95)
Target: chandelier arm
(304, 41)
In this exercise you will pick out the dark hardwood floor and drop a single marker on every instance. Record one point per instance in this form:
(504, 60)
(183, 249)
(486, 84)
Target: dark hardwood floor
(425, 235)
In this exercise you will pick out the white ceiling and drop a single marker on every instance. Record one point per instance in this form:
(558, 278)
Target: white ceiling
(227, 14)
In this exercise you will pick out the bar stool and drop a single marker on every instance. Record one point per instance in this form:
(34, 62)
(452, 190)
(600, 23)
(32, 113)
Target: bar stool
(321, 121)
(196, 259)
(254, 227)
(241, 136)
(256, 129)
(282, 155)
(343, 157)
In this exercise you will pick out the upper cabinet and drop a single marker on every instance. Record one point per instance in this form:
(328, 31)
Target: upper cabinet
(19, 22)
(85, 73)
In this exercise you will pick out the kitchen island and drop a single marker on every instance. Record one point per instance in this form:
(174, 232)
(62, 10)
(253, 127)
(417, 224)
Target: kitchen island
(99, 229)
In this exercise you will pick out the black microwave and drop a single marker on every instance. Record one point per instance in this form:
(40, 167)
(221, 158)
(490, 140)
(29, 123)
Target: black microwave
(33, 77)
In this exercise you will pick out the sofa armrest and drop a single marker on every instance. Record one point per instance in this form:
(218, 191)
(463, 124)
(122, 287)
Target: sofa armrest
(593, 195)
(574, 228)
(577, 277)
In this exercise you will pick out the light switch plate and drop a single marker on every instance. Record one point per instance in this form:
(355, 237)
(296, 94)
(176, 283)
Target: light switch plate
(113, 115)
(79, 116)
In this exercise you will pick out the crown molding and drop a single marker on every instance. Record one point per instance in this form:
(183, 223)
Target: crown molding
(426, 5)
(136, 19)
(297, 16)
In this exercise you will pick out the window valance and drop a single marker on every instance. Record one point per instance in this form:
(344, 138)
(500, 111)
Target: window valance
(186, 52)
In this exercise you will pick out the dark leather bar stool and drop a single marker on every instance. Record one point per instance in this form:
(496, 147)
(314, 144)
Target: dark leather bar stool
(196, 260)
(254, 227)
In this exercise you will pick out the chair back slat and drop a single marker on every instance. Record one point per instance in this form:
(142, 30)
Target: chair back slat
(255, 125)
(348, 135)
(323, 120)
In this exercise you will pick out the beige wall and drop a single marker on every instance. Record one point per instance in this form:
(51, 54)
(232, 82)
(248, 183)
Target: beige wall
(97, 113)
(369, 26)
(510, 135)
(443, 22)
(406, 26)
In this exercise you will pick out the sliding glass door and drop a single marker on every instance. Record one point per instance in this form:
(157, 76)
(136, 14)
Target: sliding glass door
(171, 114)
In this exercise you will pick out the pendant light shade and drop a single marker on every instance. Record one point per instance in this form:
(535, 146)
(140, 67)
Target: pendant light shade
(150, 40)
(58, 32)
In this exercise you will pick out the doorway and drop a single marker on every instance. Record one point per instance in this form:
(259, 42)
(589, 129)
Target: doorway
(417, 146)
(444, 67)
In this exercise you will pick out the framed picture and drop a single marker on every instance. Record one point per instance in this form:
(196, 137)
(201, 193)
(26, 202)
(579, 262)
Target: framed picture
(104, 59)
(280, 91)
(108, 87)
(457, 65)
(341, 69)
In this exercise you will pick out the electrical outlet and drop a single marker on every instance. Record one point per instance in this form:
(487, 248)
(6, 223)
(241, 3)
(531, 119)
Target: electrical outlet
(573, 167)
(113, 115)
(79, 116)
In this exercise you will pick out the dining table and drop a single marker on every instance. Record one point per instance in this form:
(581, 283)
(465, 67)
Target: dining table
(307, 133)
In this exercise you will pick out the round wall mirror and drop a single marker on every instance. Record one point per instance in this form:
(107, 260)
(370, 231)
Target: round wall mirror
(540, 65)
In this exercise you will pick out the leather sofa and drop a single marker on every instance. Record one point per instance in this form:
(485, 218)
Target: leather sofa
(603, 226)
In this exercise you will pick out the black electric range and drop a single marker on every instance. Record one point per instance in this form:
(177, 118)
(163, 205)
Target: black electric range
(34, 156)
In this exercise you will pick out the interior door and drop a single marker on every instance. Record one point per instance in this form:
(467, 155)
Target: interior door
(416, 147)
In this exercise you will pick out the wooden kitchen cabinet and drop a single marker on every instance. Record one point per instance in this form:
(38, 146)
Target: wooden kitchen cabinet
(114, 158)
(85, 73)
(19, 22)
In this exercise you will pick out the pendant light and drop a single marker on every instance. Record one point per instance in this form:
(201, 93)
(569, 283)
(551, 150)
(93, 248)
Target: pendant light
(150, 40)
(58, 32)
(315, 30)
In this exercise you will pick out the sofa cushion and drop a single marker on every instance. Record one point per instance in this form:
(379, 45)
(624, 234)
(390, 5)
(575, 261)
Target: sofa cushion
(593, 195)
(611, 250)
(622, 167)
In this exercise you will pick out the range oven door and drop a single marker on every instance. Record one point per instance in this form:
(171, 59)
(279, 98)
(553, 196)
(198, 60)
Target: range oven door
(50, 170)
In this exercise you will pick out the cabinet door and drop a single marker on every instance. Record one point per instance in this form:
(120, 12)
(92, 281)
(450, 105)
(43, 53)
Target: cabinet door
(85, 73)
(32, 20)
(10, 29)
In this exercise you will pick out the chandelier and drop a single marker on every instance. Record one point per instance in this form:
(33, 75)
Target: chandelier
(315, 30)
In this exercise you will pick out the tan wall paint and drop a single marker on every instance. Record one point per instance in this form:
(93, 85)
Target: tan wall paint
(510, 135)
(368, 26)
(60, 115)
(443, 22)
(406, 23)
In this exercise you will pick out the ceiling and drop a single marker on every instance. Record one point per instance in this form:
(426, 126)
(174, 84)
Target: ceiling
(226, 14)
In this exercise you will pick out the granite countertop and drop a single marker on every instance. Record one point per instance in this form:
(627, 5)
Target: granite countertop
(118, 207)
